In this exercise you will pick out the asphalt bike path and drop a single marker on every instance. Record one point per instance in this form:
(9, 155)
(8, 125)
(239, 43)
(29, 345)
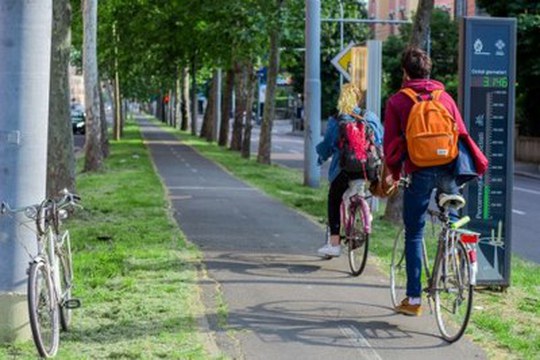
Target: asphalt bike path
(283, 302)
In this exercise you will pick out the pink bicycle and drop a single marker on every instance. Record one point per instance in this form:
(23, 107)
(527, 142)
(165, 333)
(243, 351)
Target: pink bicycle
(356, 225)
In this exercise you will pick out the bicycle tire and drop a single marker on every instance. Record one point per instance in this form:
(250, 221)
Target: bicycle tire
(66, 280)
(453, 298)
(398, 270)
(357, 244)
(43, 310)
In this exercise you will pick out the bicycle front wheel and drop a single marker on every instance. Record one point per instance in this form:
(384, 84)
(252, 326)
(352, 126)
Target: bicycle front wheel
(357, 243)
(398, 271)
(66, 279)
(453, 292)
(43, 310)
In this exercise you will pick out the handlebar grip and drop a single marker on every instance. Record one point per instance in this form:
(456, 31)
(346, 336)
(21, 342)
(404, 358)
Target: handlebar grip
(460, 222)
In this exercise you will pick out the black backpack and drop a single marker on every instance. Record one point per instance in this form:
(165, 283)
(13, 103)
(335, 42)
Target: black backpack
(360, 156)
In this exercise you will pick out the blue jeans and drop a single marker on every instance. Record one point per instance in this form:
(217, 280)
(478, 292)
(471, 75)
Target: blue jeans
(416, 199)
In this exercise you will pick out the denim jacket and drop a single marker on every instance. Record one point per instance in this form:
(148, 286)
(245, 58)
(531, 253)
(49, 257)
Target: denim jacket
(328, 147)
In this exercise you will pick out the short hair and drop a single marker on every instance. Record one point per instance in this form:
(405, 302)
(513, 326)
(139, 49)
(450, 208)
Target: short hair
(416, 63)
(349, 98)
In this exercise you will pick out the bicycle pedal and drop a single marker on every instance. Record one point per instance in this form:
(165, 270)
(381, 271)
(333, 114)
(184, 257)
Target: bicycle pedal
(72, 304)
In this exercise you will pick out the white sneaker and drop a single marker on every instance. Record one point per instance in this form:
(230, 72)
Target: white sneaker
(329, 250)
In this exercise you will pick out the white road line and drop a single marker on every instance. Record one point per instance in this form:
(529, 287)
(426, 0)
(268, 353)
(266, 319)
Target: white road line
(526, 190)
(360, 342)
(295, 151)
(278, 147)
(210, 188)
(519, 212)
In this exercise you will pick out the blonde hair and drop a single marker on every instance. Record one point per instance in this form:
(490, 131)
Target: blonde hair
(349, 98)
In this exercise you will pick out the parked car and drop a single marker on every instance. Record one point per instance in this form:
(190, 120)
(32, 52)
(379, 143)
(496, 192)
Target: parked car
(78, 122)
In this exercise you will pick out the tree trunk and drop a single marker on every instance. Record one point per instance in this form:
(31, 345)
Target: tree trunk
(226, 107)
(240, 83)
(178, 100)
(208, 118)
(104, 130)
(420, 32)
(117, 118)
(93, 150)
(246, 143)
(60, 156)
(186, 113)
(159, 107)
(265, 142)
(194, 112)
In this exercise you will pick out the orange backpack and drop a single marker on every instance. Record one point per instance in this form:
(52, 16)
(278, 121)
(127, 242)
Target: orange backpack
(431, 133)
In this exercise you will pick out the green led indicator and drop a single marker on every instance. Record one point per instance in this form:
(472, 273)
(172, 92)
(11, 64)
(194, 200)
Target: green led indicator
(486, 203)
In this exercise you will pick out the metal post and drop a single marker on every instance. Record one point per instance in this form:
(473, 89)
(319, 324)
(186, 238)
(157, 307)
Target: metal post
(312, 171)
(340, 37)
(25, 45)
(373, 97)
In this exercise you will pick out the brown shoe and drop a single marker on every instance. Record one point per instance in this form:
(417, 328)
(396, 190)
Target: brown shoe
(408, 309)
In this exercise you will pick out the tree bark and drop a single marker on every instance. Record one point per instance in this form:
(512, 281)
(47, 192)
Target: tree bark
(240, 83)
(178, 100)
(93, 150)
(186, 103)
(420, 31)
(246, 142)
(60, 156)
(208, 118)
(226, 107)
(265, 142)
(194, 105)
(117, 118)
(104, 130)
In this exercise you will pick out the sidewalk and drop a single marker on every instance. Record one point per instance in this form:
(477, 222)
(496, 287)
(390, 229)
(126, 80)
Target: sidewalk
(282, 301)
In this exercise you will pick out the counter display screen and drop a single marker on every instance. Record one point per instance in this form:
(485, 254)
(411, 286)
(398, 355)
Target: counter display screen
(488, 99)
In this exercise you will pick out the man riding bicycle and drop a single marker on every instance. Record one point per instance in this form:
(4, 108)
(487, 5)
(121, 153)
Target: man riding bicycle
(432, 156)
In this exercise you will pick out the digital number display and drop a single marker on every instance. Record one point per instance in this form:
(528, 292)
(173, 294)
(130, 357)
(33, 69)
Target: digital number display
(489, 81)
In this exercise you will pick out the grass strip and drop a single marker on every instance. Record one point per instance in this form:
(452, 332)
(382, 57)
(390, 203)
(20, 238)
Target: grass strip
(135, 274)
(506, 325)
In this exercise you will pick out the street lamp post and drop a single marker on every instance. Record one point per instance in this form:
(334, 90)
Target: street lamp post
(25, 38)
(312, 171)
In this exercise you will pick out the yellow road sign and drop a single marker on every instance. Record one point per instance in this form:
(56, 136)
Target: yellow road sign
(342, 61)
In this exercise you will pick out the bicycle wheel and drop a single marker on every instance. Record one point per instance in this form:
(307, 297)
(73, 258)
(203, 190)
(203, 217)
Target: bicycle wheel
(453, 293)
(357, 244)
(398, 271)
(43, 310)
(66, 279)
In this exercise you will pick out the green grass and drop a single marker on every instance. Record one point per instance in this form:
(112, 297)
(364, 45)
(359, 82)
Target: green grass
(135, 274)
(506, 325)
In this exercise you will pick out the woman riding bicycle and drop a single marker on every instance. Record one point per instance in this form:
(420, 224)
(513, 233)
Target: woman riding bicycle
(348, 110)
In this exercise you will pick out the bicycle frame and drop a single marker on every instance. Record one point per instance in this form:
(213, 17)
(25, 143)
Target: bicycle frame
(348, 208)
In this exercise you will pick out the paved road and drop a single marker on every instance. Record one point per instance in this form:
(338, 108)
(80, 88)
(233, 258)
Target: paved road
(288, 150)
(282, 302)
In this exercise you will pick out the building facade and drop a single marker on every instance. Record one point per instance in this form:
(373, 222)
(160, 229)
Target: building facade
(405, 9)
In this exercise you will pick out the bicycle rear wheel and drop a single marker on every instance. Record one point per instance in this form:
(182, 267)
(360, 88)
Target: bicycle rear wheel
(43, 310)
(357, 244)
(398, 271)
(453, 293)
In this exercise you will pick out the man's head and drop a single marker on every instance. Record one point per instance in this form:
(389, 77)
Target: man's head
(416, 63)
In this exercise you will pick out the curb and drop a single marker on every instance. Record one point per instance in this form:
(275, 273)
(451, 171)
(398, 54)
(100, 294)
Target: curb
(527, 174)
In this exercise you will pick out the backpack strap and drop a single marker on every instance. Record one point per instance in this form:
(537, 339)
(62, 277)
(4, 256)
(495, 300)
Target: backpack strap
(435, 95)
(413, 95)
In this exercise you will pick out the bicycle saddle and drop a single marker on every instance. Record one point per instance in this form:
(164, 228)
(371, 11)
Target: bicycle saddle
(451, 201)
